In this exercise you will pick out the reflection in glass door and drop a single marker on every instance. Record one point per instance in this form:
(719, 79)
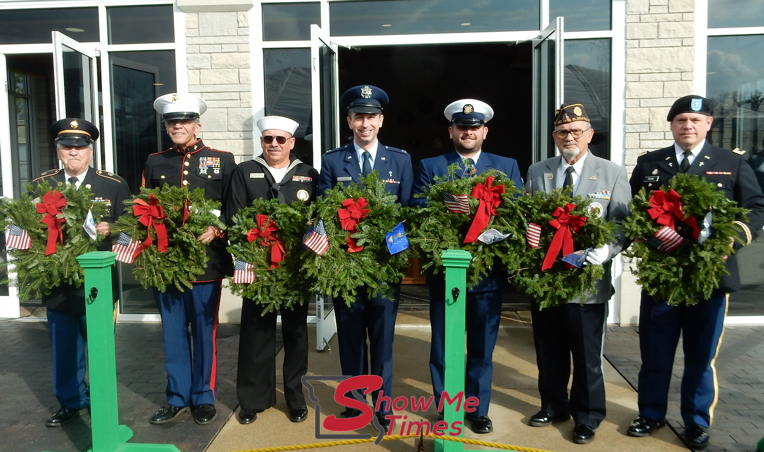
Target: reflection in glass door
(548, 85)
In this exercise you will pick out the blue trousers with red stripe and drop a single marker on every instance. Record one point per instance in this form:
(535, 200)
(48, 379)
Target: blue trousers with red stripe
(191, 380)
(68, 335)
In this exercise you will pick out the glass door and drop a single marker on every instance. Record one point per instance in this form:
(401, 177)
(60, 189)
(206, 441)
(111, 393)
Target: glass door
(548, 70)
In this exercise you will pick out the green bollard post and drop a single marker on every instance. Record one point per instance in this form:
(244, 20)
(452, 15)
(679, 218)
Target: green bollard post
(456, 263)
(760, 446)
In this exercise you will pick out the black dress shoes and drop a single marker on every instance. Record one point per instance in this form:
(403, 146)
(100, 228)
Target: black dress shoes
(385, 422)
(204, 413)
(351, 412)
(298, 414)
(247, 416)
(167, 413)
(583, 434)
(697, 436)
(643, 426)
(480, 424)
(542, 419)
(63, 416)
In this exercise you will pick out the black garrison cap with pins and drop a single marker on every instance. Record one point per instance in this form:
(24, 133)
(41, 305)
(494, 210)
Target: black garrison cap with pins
(73, 132)
(570, 113)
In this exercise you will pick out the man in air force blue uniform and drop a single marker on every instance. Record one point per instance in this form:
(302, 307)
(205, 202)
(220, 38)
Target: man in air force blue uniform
(346, 165)
(468, 130)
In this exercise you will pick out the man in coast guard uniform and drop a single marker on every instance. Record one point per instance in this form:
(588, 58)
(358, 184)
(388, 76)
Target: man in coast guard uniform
(192, 382)
(577, 329)
(274, 174)
(345, 166)
(700, 325)
(468, 129)
(65, 305)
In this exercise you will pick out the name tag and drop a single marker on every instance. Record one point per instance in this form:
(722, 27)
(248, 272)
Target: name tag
(257, 175)
(651, 178)
(344, 179)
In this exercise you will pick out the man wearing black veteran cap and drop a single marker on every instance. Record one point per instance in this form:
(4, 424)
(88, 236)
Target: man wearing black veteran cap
(373, 317)
(700, 325)
(190, 163)
(468, 129)
(577, 329)
(65, 305)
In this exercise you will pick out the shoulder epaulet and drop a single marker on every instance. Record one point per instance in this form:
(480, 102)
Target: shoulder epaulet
(48, 173)
(738, 151)
(334, 150)
(396, 150)
(643, 153)
(108, 175)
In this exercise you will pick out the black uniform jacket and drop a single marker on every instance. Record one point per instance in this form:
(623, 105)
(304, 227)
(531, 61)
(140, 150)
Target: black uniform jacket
(724, 168)
(112, 190)
(252, 180)
(198, 167)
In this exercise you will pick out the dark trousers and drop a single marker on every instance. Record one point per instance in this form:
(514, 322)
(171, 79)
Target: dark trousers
(562, 332)
(701, 327)
(256, 375)
(68, 335)
(190, 380)
(482, 327)
(372, 319)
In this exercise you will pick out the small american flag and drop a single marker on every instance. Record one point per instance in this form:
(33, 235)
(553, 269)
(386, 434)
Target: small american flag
(243, 273)
(316, 239)
(125, 248)
(533, 235)
(668, 238)
(17, 238)
(456, 203)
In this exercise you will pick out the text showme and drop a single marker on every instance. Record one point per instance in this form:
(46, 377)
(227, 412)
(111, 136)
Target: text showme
(363, 385)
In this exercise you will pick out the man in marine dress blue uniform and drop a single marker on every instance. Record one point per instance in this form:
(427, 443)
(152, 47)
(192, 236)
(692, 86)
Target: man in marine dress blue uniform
(577, 328)
(468, 118)
(65, 305)
(373, 317)
(700, 325)
(192, 381)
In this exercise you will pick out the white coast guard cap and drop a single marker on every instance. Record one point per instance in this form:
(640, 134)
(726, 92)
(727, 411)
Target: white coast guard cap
(468, 112)
(180, 106)
(277, 123)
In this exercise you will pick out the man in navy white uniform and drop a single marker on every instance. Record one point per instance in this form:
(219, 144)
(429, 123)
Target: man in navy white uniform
(65, 305)
(374, 317)
(701, 325)
(192, 381)
(276, 173)
(577, 328)
(468, 118)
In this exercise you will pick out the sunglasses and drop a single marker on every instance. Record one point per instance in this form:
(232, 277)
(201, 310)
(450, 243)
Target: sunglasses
(267, 139)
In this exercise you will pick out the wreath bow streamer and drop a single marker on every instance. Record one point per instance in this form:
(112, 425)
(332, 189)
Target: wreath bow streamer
(665, 209)
(51, 205)
(564, 222)
(150, 213)
(264, 232)
(353, 213)
(490, 198)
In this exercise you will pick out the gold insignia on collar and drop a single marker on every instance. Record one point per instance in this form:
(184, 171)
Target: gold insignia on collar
(366, 92)
(707, 157)
(74, 124)
(467, 109)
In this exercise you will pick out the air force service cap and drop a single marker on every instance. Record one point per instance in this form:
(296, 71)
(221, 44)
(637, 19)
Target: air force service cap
(468, 112)
(570, 113)
(277, 123)
(364, 99)
(180, 106)
(73, 132)
(690, 104)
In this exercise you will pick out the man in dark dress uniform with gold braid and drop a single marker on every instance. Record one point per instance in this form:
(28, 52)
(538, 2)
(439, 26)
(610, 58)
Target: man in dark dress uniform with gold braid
(65, 305)
(700, 325)
(274, 174)
(191, 164)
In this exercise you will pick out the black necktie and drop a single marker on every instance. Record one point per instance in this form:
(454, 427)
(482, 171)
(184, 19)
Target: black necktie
(366, 168)
(73, 181)
(568, 177)
(685, 165)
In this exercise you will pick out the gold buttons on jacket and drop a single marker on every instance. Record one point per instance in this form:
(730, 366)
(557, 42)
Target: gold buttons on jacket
(185, 182)
(209, 176)
(162, 176)
(187, 163)
(185, 172)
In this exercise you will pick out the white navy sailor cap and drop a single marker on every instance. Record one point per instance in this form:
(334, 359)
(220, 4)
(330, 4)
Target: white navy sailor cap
(277, 123)
(180, 106)
(468, 112)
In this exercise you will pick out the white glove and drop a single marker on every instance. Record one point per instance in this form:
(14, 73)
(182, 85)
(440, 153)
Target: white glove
(598, 256)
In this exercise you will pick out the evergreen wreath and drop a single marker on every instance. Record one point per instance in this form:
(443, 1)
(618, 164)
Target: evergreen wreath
(340, 273)
(559, 284)
(37, 272)
(282, 285)
(185, 257)
(691, 271)
(435, 228)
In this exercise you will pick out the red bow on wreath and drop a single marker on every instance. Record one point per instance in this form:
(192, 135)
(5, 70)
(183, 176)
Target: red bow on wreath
(51, 206)
(350, 217)
(264, 232)
(151, 215)
(563, 238)
(490, 198)
(665, 209)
